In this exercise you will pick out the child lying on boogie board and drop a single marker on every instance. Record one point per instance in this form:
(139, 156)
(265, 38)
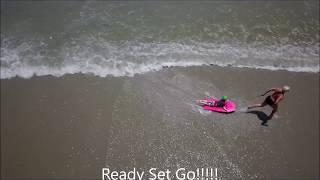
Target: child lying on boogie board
(220, 103)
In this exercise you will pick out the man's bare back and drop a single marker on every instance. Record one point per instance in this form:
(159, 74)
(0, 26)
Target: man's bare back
(277, 95)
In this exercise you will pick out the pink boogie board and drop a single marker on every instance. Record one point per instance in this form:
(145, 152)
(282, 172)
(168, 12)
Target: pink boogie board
(230, 106)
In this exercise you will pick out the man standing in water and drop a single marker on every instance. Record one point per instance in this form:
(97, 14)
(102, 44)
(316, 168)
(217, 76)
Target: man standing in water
(273, 100)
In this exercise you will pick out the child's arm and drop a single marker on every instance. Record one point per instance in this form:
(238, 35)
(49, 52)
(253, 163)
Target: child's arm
(224, 107)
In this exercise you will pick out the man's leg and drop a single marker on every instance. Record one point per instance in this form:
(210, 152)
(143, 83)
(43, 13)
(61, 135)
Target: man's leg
(275, 109)
(258, 105)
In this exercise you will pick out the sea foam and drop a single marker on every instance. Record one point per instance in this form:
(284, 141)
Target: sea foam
(129, 58)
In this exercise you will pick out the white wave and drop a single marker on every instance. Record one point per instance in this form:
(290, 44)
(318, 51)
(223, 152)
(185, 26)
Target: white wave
(94, 56)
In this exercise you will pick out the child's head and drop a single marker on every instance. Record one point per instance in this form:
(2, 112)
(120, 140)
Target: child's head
(224, 98)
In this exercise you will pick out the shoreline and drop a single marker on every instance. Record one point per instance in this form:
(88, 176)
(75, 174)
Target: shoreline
(165, 67)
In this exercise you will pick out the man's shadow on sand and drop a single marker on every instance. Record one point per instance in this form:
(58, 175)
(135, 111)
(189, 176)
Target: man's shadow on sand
(262, 116)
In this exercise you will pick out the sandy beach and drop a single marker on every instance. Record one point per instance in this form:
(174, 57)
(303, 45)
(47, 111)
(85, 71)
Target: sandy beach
(72, 126)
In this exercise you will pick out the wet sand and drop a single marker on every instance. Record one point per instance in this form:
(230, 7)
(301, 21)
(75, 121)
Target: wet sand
(72, 126)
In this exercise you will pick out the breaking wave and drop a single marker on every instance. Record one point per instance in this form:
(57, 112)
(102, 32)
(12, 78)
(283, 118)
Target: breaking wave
(130, 58)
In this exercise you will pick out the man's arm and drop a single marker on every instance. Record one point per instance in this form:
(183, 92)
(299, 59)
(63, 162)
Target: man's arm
(272, 89)
(278, 99)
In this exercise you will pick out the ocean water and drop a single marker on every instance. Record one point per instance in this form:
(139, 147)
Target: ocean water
(125, 38)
